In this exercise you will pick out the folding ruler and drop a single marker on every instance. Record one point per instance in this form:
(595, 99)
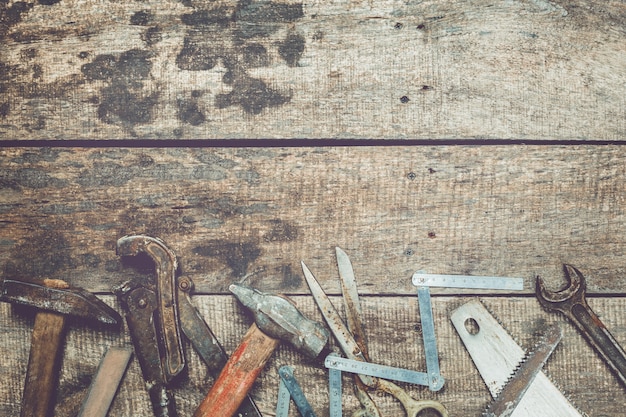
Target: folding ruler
(431, 378)
(289, 389)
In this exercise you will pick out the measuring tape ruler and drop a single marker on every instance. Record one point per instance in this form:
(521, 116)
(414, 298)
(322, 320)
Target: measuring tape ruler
(376, 370)
(334, 392)
(435, 380)
(295, 392)
(282, 407)
(467, 281)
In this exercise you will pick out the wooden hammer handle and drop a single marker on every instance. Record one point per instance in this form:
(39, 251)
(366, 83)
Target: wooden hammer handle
(43, 362)
(238, 375)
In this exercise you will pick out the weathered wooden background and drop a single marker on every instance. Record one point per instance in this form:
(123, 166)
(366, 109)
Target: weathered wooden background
(79, 70)
(530, 69)
(255, 213)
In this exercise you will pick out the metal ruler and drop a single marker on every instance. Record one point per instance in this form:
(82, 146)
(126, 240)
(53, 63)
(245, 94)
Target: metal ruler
(376, 370)
(334, 389)
(435, 380)
(290, 389)
(421, 279)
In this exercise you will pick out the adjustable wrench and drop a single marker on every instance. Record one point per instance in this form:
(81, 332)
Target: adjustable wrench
(572, 303)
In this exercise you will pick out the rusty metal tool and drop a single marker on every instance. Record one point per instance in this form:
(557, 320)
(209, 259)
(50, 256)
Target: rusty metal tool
(571, 301)
(157, 314)
(55, 299)
(496, 356)
(351, 338)
(276, 318)
(289, 389)
(105, 383)
(514, 390)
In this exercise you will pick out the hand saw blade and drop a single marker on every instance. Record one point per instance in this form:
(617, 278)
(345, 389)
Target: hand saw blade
(496, 356)
(516, 387)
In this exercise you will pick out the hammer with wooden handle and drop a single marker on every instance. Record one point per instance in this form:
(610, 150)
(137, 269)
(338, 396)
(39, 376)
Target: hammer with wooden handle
(55, 299)
(276, 318)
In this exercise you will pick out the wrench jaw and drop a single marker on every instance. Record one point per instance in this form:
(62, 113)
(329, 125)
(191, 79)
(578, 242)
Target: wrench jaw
(574, 291)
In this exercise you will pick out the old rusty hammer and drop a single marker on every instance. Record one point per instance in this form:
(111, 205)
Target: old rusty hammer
(276, 318)
(55, 300)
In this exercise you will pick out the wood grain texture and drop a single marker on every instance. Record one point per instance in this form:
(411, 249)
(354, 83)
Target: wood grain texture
(42, 373)
(235, 213)
(254, 213)
(393, 340)
(524, 69)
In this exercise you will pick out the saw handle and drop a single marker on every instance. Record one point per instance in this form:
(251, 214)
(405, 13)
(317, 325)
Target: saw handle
(238, 375)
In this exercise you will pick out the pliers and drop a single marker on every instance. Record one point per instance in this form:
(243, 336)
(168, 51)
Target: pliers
(156, 314)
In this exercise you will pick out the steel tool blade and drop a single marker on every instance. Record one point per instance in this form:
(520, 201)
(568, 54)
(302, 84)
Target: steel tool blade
(496, 355)
(343, 336)
(514, 390)
(351, 300)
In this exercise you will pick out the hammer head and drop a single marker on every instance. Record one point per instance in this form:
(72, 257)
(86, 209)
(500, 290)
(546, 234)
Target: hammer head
(58, 296)
(279, 318)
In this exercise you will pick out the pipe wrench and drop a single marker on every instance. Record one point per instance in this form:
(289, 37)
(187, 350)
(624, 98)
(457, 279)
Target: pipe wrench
(158, 314)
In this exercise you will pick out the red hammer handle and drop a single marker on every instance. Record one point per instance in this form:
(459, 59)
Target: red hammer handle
(238, 375)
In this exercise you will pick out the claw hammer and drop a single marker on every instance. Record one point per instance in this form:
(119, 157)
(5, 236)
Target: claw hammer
(55, 299)
(276, 318)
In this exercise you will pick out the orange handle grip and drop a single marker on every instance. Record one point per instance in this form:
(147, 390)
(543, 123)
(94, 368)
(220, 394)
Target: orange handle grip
(238, 375)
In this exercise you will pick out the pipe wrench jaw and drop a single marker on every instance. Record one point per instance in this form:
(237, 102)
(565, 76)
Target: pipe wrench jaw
(158, 313)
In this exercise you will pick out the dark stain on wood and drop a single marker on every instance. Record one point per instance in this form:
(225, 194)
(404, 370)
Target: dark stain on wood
(42, 255)
(5, 109)
(238, 38)
(281, 232)
(189, 112)
(238, 256)
(291, 49)
(29, 178)
(141, 18)
(11, 15)
(122, 101)
(289, 279)
(106, 174)
(253, 96)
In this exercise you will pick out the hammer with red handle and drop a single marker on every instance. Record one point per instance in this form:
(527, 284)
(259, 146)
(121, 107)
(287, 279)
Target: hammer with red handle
(276, 319)
(54, 299)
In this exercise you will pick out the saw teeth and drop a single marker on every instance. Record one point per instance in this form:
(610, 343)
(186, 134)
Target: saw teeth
(495, 316)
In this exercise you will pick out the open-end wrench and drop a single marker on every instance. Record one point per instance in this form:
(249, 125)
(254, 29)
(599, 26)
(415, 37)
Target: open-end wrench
(572, 303)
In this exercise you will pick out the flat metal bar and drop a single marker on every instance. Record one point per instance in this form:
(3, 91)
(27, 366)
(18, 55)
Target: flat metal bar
(436, 381)
(286, 376)
(421, 279)
(377, 370)
(284, 398)
(334, 392)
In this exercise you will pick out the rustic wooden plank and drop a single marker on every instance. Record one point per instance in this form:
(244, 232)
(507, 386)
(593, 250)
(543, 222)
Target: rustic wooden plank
(393, 340)
(533, 69)
(235, 213)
